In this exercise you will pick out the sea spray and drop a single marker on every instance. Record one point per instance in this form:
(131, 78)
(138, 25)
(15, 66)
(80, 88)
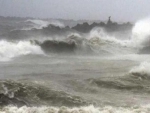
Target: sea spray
(9, 50)
(39, 24)
(140, 36)
(141, 33)
(142, 70)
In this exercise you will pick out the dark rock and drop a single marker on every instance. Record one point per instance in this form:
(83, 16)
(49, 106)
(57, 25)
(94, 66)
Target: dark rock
(110, 26)
(58, 46)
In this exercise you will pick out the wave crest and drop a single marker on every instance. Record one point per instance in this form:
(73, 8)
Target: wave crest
(142, 70)
(39, 24)
(9, 50)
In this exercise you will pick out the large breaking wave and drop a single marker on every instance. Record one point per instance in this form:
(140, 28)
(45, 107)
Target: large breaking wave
(139, 39)
(9, 50)
(98, 41)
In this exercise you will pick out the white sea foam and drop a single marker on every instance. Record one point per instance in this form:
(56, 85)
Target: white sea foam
(97, 38)
(140, 36)
(88, 109)
(100, 33)
(141, 33)
(39, 24)
(57, 23)
(142, 69)
(109, 43)
(9, 50)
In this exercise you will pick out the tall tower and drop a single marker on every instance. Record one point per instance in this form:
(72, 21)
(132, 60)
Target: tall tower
(109, 22)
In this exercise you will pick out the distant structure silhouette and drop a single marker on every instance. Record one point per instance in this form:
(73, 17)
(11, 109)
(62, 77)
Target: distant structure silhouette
(109, 22)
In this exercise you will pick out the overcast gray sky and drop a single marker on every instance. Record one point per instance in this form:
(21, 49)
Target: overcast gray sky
(120, 10)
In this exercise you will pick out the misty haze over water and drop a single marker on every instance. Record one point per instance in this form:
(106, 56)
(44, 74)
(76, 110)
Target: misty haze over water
(61, 57)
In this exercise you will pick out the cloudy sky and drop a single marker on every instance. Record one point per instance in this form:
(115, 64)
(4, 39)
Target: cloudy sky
(120, 10)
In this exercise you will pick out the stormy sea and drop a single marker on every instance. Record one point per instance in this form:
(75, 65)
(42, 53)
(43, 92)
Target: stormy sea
(66, 66)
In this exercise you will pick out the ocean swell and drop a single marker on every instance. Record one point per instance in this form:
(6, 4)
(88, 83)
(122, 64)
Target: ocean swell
(23, 94)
